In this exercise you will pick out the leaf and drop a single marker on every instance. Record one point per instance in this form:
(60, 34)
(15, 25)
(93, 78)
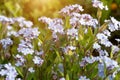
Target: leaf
(67, 77)
(99, 14)
(19, 71)
(103, 27)
(30, 76)
(58, 55)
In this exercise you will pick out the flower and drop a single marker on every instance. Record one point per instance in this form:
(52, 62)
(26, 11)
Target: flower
(72, 48)
(6, 19)
(83, 78)
(9, 71)
(107, 33)
(22, 22)
(62, 78)
(68, 10)
(90, 59)
(110, 64)
(20, 60)
(113, 24)
(118, 40)
(103, 39)
(56, 25)
(73, 33)
(101, 70)
(25, 47)
(82, 19)
(31, 70)
(88, 20)
(103, 53)
(29, 33)
(6, 42)
(37, 60)
(96, 46)
(99, 4)
(45, 20)
(39, 53)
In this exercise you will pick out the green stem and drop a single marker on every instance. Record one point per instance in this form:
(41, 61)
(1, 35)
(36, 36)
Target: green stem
(26, 73)
(64, 65)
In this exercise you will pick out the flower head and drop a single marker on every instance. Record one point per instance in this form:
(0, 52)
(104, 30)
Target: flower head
(37, 60)
(6, 42)
(99, 4)
(68, 10)
(83, 78)
(9, 71)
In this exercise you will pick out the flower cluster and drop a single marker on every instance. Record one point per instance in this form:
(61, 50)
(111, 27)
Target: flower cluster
(25, 47)
(20, 60)
(76, 44)
(70, 9)
(9, 71)
(83, 78)
(99, 4)
(6, 42)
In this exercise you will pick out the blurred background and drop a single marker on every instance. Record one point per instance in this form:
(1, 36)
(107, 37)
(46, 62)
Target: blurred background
(33, 9)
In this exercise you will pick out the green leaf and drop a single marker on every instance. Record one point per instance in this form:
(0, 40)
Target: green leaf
(103, 27)
(19, 71)
(67, 77)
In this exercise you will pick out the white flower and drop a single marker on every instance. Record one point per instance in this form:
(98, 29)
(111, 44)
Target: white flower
(19, 19)
(106, 8)
(20, 60)
(31, 70)
(83, 78)
(88, 20)
(62, 78)
(25, 47)
(68, 10)
(29, 33)
(99, 4)
(74, 20)
(54, 35)
(72, 48)
(101, 70)
(103, 39)
(110, 64)
(113, 25)
(101, 36)
(18, 79)
(118, 40)
(45, 20)
(72, 32)
(103, 53)
(6, 19)
(37, 60)
(6, 42)
(39, 53)
(96, 46)
(28, 23)
(12, 32)
(22, 22)
(9, 71)
(107, 33)
(56, 25)
(90, 59)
